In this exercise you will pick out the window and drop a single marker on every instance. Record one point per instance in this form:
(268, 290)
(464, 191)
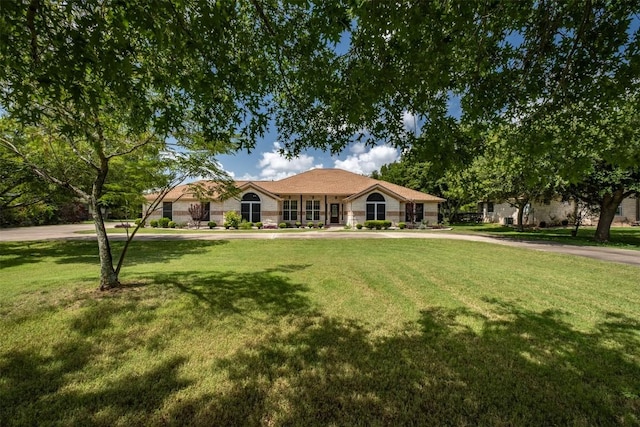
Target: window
(414, 212)
(250, 207)
(313, 210)
(419, 212)
(375, 207)
(490, 207)
(206, 211)
(167, 210)
(619, 210)
(290, 210)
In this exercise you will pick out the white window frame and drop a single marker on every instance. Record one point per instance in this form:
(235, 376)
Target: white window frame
(290, 210)
(312, 210)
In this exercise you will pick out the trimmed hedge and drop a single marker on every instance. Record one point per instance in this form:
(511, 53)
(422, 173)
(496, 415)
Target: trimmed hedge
(377, 224)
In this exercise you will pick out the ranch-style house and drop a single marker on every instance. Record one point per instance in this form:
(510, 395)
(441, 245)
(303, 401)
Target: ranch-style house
(326, 196)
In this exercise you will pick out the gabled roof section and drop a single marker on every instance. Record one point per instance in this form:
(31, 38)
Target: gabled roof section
(256, 185)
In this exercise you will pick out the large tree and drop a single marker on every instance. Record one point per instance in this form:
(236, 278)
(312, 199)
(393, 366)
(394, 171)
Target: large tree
(181, 80)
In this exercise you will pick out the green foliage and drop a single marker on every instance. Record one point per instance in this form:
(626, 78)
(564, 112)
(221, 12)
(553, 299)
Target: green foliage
(259, 225)
(245, 225)
(172, 224)
(377, 224)
(232, 219)
(402, 225)
(164, 222)
(282, 225)
(298, 224)
(319, 225)
(212, 224)
(138, 221)
(309, 225)
(359, 226)
(154, 223)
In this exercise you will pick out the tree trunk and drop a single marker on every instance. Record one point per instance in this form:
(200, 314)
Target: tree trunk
(521, 216)
(608, 207)
(108, 276)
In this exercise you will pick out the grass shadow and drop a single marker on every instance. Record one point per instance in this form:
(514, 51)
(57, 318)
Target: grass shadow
(86, 252)
(225, 293)
(527, 368)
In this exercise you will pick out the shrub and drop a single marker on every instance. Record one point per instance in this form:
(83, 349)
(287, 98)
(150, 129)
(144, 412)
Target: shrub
(298, 224)
(172, 224)
(153, 223)
(310, 224)
(402, 225)
(212, 224)
(543, 224)
(182, 224)
(359, 226)
(259, 225)
(164, 222)
(320, 225)
(347, 227)
(244, 225)
(139, 222)
(282, 225)
(233, 219)
(564, 222)
(377, 224)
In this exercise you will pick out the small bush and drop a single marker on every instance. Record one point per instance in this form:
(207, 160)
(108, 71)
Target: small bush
(282, 225)
(298, 224)
(172, 224)
(310, 224)
(212, 224)
(347, 227)
(377, 224)
(543, 224)
(153, 223)
(139, 222)
(233, 219)
(402, 225)
(359, 226)
(164, 222)
(244, 225)
(564, 222)
(320, 225)
(259, 225)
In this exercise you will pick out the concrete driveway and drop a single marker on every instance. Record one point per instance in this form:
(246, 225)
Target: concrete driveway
(69, 231)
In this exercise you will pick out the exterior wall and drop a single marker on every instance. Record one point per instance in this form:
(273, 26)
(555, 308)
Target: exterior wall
(269, 209)
(629, 212)
(556, 211)
(358, 209)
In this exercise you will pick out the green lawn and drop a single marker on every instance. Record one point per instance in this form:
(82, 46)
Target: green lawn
(317, 332)
(621, 237)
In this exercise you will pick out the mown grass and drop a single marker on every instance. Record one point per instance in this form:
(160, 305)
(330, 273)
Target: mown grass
(621, 237)
(317, 332)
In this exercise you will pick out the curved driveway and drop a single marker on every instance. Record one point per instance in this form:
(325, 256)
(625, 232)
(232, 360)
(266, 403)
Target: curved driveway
(49, 232)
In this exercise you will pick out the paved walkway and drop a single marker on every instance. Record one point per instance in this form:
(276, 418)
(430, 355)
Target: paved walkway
(49, 232)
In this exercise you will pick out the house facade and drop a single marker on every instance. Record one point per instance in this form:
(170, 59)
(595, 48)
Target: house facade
(554, 211)
(326, 196)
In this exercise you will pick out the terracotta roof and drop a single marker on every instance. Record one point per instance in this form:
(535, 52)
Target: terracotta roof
(321, 181)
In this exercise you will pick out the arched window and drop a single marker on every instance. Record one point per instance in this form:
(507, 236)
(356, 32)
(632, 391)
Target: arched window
(250, 207)
(375, 207)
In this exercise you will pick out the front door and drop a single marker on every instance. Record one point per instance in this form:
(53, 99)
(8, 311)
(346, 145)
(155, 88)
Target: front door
(335, 213)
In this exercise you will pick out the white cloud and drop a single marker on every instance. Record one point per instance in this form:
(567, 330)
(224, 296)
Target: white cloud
(275, 166)
(409, 121)
(365, 162)
(358, 148)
